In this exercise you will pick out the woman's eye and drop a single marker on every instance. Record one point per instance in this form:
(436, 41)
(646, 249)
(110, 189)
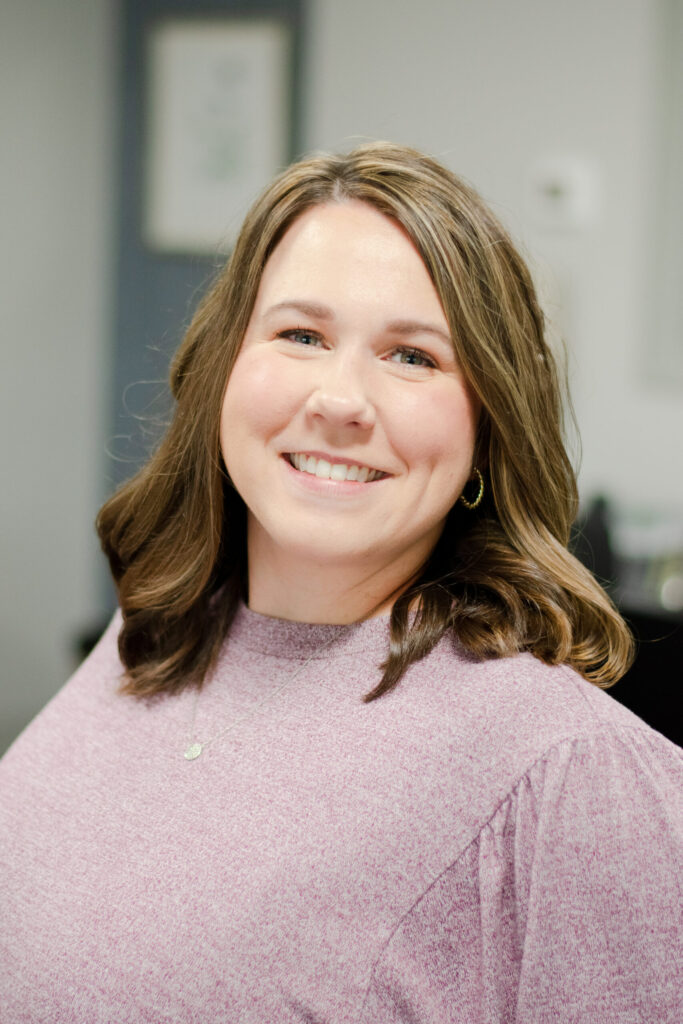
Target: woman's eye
(412, 357)
(301, 336)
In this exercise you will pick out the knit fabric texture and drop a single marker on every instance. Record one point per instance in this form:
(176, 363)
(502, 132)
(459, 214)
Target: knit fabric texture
(492, 841)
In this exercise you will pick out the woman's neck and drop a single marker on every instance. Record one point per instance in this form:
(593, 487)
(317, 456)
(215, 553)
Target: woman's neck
(323, 594)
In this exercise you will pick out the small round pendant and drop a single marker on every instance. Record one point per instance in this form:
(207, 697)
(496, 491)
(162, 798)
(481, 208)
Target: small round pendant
(194, 750)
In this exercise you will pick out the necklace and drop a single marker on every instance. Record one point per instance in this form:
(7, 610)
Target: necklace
(195, 748)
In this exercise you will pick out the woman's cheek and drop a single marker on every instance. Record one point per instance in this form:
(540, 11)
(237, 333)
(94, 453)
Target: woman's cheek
(260, 393)
(435, 424)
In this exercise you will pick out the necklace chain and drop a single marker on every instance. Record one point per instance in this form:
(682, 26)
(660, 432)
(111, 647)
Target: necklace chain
(195, 748)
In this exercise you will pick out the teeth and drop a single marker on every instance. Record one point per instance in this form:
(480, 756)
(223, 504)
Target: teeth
(325, 470)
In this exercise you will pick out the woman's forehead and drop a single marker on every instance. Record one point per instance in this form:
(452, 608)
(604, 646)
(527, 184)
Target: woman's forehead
(349, 250)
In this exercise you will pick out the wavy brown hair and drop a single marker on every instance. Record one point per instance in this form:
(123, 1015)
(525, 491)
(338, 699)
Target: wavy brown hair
(501, 577)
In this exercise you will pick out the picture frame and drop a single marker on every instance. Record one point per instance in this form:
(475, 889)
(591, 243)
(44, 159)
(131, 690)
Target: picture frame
(218, 127)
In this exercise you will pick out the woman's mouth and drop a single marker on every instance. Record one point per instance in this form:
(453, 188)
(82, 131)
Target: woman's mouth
(325, 470)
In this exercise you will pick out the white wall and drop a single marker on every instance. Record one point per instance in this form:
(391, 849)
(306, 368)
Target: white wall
(489, 86)
(56, 188)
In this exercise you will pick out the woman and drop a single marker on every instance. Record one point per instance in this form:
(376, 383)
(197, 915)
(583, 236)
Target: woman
(339, 757)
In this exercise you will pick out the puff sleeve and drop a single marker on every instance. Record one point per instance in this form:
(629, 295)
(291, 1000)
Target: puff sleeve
(567, 905)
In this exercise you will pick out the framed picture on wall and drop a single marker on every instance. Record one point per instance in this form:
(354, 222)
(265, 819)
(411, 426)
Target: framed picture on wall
(217, 128)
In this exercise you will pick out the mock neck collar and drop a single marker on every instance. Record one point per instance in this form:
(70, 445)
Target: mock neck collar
(281, 637)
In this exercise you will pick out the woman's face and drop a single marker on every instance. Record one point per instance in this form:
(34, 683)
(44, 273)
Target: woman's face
(347, 426)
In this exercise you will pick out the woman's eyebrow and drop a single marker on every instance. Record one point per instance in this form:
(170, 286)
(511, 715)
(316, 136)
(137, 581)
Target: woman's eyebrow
(301, 306)
(407, 327)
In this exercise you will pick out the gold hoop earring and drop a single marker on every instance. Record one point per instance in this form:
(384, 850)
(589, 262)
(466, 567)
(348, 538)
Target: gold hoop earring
(477, 501)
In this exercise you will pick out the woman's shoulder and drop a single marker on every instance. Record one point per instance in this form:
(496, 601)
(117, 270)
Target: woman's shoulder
(70, 712)
(101, 671)
(523, 707)
(567, 860)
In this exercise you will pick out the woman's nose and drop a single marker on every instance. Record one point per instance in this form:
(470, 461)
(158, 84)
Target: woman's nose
(341, 398)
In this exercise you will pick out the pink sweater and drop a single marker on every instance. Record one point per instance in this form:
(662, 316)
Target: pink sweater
(491, 842)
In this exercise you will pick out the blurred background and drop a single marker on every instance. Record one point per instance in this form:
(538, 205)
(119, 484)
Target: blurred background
(568, 118)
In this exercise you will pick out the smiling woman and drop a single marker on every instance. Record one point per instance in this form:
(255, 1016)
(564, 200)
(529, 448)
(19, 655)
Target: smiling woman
(339, 755)
(502, 580)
